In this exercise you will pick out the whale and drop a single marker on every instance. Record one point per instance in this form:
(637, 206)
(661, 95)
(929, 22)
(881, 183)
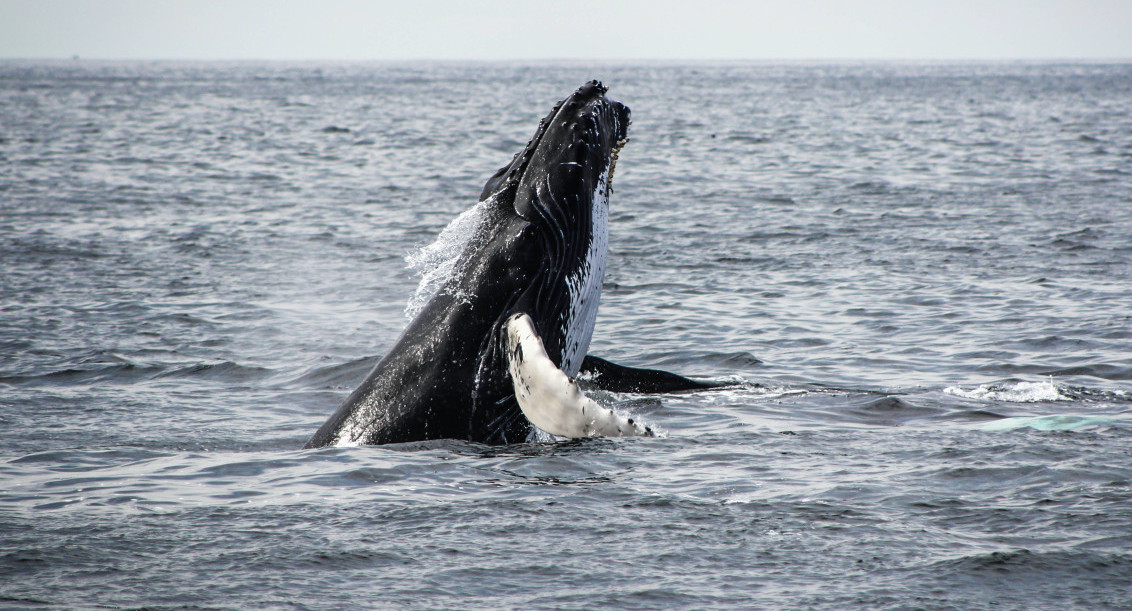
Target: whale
(495, 353)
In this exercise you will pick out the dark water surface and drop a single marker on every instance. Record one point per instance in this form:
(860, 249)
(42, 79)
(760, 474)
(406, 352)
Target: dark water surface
(921, 274)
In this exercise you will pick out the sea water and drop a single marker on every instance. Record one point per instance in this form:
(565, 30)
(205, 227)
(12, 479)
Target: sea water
(918, 276)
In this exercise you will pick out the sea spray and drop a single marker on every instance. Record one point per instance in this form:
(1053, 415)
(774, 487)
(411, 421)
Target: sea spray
(437, 262)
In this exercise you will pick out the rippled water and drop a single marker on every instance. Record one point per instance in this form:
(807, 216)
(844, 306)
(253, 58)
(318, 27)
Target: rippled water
(921, 275)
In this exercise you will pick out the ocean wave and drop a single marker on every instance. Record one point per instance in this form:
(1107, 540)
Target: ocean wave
(129, 372)
(341, 375)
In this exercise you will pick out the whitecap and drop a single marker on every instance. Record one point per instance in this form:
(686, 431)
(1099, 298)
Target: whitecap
(1012, 392)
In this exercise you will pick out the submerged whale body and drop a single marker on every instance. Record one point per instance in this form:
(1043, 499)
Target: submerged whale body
(494, 351)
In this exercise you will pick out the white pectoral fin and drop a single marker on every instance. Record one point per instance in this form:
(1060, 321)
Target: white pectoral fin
(549, 398)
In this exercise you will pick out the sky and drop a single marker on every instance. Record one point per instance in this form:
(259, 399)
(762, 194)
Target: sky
(559, 29)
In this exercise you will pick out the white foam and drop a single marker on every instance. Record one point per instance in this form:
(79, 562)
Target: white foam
(1012, 392)
(436, 263)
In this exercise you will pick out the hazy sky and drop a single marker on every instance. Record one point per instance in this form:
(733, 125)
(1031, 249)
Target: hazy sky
(578, 29)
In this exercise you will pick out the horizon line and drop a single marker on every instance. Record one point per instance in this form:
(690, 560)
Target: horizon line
(575, 60)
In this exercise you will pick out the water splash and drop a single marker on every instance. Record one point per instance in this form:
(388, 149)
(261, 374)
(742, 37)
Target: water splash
(1012, 392)
(436, 263)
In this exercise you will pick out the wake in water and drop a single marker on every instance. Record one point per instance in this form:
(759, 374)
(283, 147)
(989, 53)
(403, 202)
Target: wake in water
(1045, 392)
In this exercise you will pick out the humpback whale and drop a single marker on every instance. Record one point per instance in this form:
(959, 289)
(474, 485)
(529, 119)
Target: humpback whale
(496, 349)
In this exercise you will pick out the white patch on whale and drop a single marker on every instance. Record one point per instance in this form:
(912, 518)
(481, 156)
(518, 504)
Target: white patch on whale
(584, 284)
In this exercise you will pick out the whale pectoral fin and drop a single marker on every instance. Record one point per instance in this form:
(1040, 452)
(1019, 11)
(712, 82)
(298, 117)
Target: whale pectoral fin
(549, 398)
(605, 375)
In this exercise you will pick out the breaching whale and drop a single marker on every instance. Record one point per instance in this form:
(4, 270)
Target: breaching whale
(497, 348)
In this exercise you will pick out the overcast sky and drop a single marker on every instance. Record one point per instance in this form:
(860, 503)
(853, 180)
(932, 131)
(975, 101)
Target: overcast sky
(577, 29)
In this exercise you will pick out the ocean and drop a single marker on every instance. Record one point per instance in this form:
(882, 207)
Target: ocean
(918, 277)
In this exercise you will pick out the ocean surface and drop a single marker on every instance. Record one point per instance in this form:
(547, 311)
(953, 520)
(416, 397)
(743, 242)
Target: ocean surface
(918, 276)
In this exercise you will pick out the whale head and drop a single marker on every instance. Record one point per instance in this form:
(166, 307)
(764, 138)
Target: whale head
(575, 146)
(560, 183)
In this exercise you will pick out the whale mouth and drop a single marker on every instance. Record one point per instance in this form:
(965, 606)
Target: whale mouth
(613, 160)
